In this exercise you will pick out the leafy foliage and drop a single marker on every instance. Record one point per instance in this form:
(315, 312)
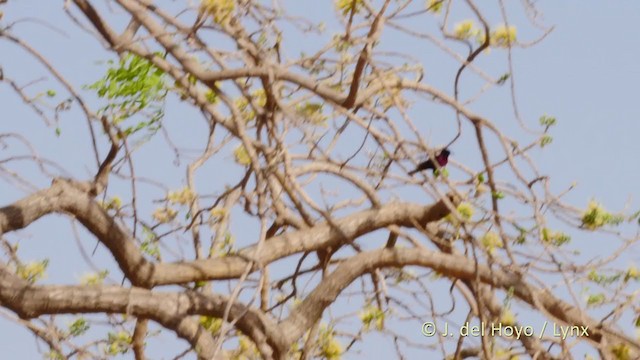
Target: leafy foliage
(241, 155)
(465, 30)
(94, 278)
(434, 6)
(491, 241)
(555, 238)
(345, 6)
(330, 348)
(211, 324)
(78, 327)
(503, 36)
(596, 217)
(219, 10)
(33, 271)
(118, 343)
(133, 86)
(372, 315)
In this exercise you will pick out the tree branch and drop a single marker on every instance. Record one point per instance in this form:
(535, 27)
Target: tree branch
(454, 266)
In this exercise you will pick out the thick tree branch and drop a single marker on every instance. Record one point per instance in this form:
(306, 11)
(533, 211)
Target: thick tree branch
(454, 266)
(169, 309)
(62, 197)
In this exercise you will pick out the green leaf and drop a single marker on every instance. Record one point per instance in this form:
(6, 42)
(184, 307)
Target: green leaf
(596, 299)
(498, 195)
(211, 324)
(603, 279)
(555, 238)
(312, 113)
(118, 343)
(78, 327)
(545, 140)
(33, 271)
(151, 248)
(53, 355)
(372, 315)
(51, 93)
(503, 78)
(441, 172)
(547, 121)
(596, 217)
(434, 6)
(134, 86)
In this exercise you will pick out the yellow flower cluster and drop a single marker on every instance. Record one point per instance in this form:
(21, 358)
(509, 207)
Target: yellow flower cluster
(556, 238)
(33, 271)
(632, 273)
(220, 10)
(217, 213)
(596, 216)
(372, 315)
(259, 98)
(345, 6)
(465, 29)
(621, 351)
(118, 343)
(435, 6)
(164, 215)
(491, 241)
(241, 155)
(312, 113)
(507, 317)
(502, 36)
(94, 278)
(330, 348)
(211, 324)
(465, 211)
(182, 197)
(115, 203)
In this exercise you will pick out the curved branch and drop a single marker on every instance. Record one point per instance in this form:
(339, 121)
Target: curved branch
(455, 266)
(172, 310)
(63, 197)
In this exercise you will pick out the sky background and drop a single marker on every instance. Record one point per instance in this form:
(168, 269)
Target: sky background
(585, 73)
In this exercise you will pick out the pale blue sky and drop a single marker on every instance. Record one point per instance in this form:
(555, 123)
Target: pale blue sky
(585, 73)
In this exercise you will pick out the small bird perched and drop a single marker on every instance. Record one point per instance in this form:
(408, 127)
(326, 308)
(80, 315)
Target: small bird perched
(442, 158)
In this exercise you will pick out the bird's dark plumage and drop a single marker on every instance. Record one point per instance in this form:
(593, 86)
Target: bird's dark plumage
(442, 158)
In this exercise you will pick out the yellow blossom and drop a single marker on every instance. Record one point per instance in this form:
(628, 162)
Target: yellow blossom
(33, 271)
(465, 211)
(114, 203)
(217, 213)
(435, 6)
(211, 324)
(94, 278)
(241, 155)
(503, 36)
(345, 6)
(491, 241)
(247, 112)
(507, 317)
(220, 10)
(372, 315)
(182, 197)
(632, 273)
(464, 29)
(164, 215)
(621, 351)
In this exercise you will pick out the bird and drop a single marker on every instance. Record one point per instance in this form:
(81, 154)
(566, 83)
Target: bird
(442, 158)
